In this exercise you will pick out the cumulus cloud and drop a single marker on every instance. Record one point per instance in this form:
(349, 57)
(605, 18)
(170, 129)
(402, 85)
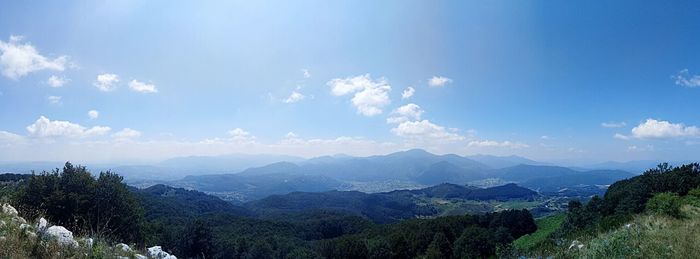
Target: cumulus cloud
(438, 81)
(370, 95)
(491, 143)
(683, 78)
(408, 92)
(55, 100)
(18, 59)
(142, 87)
(407, 112)
(106, 82)
(56, 81)
(424, 130)
(93, 114)
(652, 128)
(613, 124)
(126, 133)
(45, 128)
(305, 72)
(294, 97)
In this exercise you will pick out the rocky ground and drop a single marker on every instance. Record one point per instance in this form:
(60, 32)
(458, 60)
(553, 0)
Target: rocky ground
(39, 239)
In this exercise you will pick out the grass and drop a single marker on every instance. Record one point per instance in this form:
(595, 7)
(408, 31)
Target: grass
(645, 236)
(545, 228)
(25, 243)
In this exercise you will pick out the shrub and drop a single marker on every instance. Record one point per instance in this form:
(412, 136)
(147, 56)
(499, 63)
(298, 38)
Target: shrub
(665, 203)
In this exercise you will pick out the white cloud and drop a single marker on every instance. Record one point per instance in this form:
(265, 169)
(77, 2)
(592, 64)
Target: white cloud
(438, 81)
(19, 59)
(93, 114)
(621, 136)
(126, 133)
(306, 73)
(655, 129)
(294, 97)
(683, 78)
(55, 100)
(291, 135)
(613, 124)
(640, 149)
(44, 128)
(502, 144)
(237, 135)
(425, 130)
(545, 137)
(370, 95)
(407, 112)
(142, 87)
(106, 82)
(408, 92)
(9, 137)
(56, 81)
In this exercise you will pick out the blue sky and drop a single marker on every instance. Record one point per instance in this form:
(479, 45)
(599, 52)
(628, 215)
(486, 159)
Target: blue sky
(576, 81)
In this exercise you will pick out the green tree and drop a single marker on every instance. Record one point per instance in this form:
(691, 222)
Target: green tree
(475, 242)
(665, 203)
(439, 248)
(197, 240)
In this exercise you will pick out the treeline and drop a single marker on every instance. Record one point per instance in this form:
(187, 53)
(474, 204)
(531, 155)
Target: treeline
(194, 225)
(467, 236)
(72, 197)
(657, 190)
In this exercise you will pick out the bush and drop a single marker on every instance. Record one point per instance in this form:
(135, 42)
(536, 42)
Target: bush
(665, 203)
(73, 198)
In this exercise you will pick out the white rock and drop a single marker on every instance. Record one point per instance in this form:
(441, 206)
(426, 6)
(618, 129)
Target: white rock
(18, 219)
(158, 253)
(8, 209)
(89, 242)
(42, 224)
(138, 256)
(122, 257)
(24, 226)
(576, 244)
(123, 247)
(63, 235)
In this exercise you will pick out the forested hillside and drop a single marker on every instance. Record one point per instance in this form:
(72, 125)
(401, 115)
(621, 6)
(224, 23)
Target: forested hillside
(191, 224)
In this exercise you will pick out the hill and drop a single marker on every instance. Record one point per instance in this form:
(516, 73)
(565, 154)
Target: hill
(384, 207)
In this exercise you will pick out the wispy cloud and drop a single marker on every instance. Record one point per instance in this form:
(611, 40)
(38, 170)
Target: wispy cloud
(142, 87)
(613, 124)
(56, 81)
(684, 78)
(294, 97)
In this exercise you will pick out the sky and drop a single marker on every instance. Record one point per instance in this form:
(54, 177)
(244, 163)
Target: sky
(135, 81)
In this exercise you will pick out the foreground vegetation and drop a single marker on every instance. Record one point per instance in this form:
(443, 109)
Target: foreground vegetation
(654, 215)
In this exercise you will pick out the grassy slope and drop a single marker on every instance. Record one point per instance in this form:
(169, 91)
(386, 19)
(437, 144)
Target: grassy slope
(545, 227)
(646, 236)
